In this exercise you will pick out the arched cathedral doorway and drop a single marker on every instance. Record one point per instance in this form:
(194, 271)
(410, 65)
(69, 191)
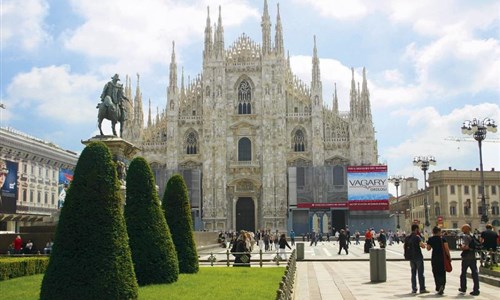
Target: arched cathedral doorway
(245, 214)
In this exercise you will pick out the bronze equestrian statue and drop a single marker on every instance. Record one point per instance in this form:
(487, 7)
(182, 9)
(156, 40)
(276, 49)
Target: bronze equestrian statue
(112, 106)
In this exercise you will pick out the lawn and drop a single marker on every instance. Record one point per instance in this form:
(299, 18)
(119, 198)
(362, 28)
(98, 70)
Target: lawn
(209, 283)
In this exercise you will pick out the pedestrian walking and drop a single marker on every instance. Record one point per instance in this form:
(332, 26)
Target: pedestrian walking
(282, 244)
(414, 245)
(439, 247)
(468, 261)
(292, 237)
(342, 239)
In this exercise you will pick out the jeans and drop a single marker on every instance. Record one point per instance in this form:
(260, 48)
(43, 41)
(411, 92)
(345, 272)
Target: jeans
(469, 263)
(417, 266)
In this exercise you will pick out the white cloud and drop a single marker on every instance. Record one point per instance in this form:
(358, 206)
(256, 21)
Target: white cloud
(455, 64)
(439, 18)
(22, 23)
(133, 37)
(429, 132)
(56, 94)
(338, 9)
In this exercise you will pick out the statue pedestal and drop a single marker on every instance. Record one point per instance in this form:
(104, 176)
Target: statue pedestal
(122, 151)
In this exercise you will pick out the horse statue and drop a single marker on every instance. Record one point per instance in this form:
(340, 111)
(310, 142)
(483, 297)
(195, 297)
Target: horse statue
(109, 109)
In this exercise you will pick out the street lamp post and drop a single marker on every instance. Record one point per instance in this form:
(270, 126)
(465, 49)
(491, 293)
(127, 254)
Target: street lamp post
(396, 180)
(479, 128)
(424, 162)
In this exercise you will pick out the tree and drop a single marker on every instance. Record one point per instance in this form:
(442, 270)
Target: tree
(91, 256)
(178, 214)
(153, 250)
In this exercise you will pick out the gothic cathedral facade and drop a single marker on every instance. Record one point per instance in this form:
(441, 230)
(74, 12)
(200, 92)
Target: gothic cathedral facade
(251, 139)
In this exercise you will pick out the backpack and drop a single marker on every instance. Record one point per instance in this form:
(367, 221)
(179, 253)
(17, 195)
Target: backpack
(474, 244)
(408, 248)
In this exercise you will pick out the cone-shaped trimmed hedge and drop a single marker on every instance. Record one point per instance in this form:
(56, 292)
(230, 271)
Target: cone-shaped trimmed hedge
(178, 214)
(91, 256)
(153, 250)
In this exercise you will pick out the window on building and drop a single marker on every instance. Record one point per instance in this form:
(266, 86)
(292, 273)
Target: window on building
(493, 189)
(436, 191)
(244, 98)
(25, 168)
(437, 209)
(25, 195)
(466, 190)
(467, 207)
(479, 209)
(495, 209)
(295, 109)
(453, 208)
(338, 175)
(32, 199)
(191, 143)
(299, 141)
(40, 169)
(455, 225)
(46, 198)
(452, 189)
(32, 170)
(244, 149)
(53, 199)
(39, 197)
(301, 177)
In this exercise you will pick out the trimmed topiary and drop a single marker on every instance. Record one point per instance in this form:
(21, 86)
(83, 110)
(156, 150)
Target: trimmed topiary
(153, 250)
(178, 214)
(91, 256)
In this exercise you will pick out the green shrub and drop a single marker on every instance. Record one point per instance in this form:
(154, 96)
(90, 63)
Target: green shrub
(91, 256)
(153, 251)
(178, 214)
(13, 267)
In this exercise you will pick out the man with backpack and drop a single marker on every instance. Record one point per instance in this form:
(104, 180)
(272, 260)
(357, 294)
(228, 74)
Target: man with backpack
(413, 252)
(469, 247)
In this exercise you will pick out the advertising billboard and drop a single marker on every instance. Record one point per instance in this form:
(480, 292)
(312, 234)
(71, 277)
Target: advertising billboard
(8, 186)
(65, 178)
(367, 188)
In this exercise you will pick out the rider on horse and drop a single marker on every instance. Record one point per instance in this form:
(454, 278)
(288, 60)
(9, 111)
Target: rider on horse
(114, 90)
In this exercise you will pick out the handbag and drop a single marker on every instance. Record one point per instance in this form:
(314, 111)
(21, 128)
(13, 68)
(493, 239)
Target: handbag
(244, 258)
(446, 259)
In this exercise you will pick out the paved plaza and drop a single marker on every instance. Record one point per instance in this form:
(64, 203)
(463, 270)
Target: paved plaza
(326, 275)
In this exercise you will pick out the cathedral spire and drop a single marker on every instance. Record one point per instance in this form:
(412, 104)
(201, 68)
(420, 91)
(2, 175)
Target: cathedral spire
(278, 39)
(365, 99)
(219, 37)
(316, 75)
(173, 71)
(335, 100)
(183, 91)
(149, 114)
(208, 36)
(157, 115)
(266, 30)
(353, 98)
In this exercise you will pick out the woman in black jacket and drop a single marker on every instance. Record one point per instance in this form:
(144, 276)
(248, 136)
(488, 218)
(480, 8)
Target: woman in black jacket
(282, 244)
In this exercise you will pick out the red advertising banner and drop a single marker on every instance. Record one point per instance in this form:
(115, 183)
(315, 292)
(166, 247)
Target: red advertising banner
(322, 205)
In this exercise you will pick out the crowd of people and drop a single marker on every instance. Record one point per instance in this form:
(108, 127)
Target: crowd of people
(470, 244)
(19, 247)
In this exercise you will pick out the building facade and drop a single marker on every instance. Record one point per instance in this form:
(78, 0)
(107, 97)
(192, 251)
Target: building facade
(454, 198)
(251, 139)
(31, 189)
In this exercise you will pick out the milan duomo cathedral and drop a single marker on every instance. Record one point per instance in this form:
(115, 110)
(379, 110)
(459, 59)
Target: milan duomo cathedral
(256, 145)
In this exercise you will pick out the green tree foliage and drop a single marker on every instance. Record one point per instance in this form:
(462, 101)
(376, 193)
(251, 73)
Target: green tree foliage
(178, 214)
(91, 256)
(153, 250)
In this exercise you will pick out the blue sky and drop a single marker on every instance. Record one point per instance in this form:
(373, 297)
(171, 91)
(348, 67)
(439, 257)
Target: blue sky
(430, 64)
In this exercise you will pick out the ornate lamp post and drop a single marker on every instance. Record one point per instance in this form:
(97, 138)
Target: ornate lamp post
(478, 129)
(424, 162)
(396, 180)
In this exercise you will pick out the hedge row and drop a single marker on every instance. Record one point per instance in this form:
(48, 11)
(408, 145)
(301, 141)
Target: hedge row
(18, 267)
